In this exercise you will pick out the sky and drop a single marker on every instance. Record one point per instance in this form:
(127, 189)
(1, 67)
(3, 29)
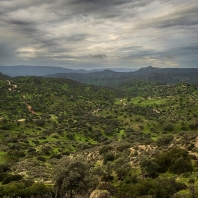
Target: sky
(92, 34)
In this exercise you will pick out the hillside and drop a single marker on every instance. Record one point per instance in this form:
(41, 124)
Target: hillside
(4, 77)
(25, 70)
(108, 78)
(43, 120)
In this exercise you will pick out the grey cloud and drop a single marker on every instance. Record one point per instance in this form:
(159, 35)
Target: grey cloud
(89, 30)
(104, 3)
(102, 8)
(7, 54)
(76, 37)
(55, 45)
(186, 16)
(15, 5)
(23, 23)
(172, 54)
(98, 56)
(191, 48)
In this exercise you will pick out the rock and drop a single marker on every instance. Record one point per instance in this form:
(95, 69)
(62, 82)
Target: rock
(100, 194)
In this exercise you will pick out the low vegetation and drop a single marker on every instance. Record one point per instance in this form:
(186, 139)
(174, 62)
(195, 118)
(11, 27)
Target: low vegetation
(59, 137)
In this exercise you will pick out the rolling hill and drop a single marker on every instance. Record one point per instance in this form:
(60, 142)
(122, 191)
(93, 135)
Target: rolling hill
(124, 134)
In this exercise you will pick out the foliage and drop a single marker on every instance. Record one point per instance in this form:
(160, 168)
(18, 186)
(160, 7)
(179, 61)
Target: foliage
(21, 189)
(149, 167)
(175, 160)
(161, 188)
(108, 157)
(164, 140)
(9, 178)
(130, 128)
(105, 149)
(73, 176)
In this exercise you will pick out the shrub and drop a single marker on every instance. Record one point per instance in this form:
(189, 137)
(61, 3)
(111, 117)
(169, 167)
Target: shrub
(168, 128)
(108, 157)
(4, 168)
(40, 158)
(9, 178)
(104, 149)
(57, 156)
(123, 147)
(175, 160)
(164, 140)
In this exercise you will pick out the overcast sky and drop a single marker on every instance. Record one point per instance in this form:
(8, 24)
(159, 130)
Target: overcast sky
(99, 33)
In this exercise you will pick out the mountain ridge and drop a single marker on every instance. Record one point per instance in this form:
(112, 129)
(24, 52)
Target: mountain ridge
(112, 79)
(106, 77)
(23, 70)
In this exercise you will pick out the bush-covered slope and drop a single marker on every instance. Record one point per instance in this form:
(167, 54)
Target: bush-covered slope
(126, 134)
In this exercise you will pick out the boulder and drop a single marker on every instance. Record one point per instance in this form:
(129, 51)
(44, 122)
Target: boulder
(100, 194)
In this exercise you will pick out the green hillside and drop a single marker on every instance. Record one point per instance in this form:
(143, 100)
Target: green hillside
(42, 120)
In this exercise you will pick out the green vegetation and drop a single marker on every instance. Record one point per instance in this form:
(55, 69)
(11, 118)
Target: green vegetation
(137, 140)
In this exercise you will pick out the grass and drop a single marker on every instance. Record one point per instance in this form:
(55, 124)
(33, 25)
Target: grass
(2, 157)
(120, 134)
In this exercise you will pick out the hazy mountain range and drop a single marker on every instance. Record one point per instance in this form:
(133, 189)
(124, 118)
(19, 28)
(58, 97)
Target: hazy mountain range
(23, 70)
(111, 78)
(106, 77)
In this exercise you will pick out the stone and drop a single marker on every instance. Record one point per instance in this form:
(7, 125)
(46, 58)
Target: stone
(100, 194)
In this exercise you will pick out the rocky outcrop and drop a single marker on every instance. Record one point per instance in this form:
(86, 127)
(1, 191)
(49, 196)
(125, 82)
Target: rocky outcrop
(100, 194)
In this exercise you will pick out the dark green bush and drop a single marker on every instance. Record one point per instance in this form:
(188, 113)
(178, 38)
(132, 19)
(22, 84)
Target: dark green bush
(108, 157)
(104, 149)
(9, 178)
(164, 140)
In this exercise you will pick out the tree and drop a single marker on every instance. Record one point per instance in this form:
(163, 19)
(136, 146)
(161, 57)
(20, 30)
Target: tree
(123, 171)
(73, 176)
(149, 167)
(176, 160)
(108, 157)
(38, 189)
(122, 167)
(164, 140)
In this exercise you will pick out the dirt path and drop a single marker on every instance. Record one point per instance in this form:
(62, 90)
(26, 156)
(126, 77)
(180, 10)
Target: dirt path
(9, 83)
(30, 109)
(14, 87)
(121, 100)
(96, 111)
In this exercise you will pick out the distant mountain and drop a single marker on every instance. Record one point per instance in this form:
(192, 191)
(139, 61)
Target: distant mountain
(114, 69)
(107, 77)
(168, 75)
(4, 77)
(23, 70)
(102, 78)
(110, 78)
(150, 70)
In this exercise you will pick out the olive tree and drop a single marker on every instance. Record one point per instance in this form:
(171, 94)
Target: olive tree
(72, 176)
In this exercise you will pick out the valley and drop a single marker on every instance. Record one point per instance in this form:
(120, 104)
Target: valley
(123, 133)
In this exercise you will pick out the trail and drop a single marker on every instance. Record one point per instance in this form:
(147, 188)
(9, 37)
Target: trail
(121, 100)
(9, 83)
(96, 111)
(155, 110)
(30, 109)
(14, 88)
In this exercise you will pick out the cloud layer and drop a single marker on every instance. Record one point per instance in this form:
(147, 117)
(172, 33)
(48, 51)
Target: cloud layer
(99, 33)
